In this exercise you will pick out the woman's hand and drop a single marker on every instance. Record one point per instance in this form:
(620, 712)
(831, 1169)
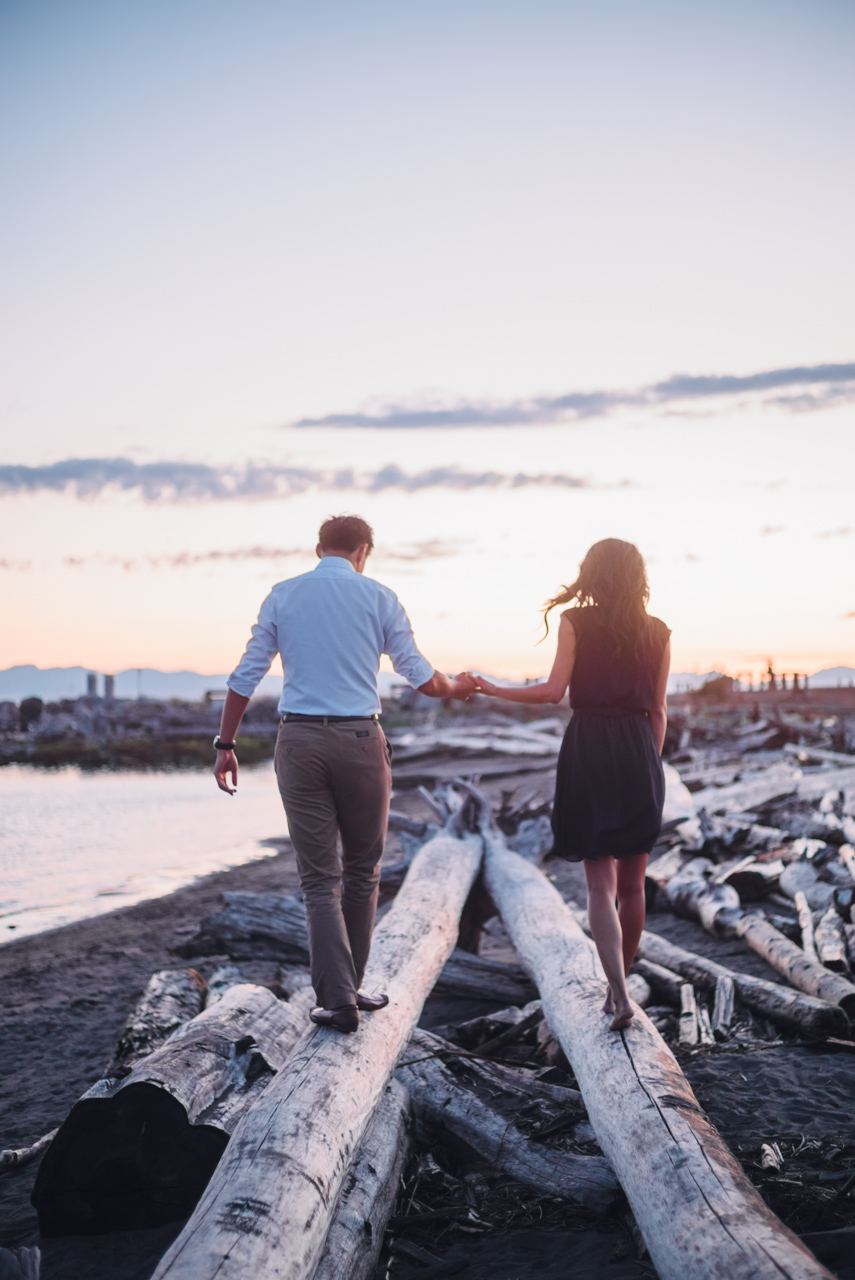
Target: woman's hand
(483, 685)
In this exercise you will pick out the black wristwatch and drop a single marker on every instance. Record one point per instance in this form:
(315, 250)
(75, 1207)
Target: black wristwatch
(223, 746)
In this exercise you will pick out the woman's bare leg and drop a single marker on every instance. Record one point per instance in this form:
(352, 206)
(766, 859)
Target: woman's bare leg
(630, 896)
(601, 876)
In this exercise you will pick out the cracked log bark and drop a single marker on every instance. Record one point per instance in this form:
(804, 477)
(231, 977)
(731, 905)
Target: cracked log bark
(442, 1102)
(700, 1217)
(267, 1209)
(138, 1153)
(367, 1197)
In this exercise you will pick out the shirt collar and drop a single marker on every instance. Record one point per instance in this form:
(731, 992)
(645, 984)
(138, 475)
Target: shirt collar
(334, 564)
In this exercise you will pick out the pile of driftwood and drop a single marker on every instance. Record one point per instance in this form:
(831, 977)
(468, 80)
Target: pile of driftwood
(285, 1144)
(768, 858)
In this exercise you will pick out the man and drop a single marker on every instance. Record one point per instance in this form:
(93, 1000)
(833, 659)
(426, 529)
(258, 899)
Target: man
(333, 763)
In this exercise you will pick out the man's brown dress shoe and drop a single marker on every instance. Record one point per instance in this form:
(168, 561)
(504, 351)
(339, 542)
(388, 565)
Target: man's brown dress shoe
(370, 1004)
(346, 1019)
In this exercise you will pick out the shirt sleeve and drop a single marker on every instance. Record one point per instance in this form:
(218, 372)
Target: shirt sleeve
(260, 651)
(400, 645)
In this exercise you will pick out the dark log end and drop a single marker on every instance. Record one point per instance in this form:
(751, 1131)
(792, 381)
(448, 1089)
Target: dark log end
(125, 1163)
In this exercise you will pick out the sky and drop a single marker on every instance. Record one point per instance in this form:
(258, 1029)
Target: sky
(505, 278)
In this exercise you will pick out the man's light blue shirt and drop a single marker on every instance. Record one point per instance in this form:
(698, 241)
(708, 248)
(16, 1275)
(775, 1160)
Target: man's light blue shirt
(330, 626)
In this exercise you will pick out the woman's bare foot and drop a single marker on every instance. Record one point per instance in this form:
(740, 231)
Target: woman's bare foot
(609, 1003)
(623, 1017)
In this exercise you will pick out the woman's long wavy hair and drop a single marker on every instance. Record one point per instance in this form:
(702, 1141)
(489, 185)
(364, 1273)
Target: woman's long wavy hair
(612, 577)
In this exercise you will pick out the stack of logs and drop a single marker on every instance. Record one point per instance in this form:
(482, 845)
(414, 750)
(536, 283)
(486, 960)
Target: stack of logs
(284, 1143)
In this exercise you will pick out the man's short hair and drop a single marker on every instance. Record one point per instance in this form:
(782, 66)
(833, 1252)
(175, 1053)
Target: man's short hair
(345, 533)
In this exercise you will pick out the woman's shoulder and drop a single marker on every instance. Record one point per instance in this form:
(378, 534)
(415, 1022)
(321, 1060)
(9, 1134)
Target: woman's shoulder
(659, 629)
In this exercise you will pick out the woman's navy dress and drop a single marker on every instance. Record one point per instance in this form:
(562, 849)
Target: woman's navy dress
(610, 786)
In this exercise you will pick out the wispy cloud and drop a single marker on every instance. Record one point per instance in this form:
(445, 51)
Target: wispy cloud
(806, 387)
(843, 531)
(406, 553)
(189, 481)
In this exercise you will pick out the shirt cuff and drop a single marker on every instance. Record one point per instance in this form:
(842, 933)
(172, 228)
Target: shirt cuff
(242, 685)
(417, 672)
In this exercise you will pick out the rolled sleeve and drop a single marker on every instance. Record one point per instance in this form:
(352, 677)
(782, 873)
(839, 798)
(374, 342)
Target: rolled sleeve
(260, 651)
(400, 645)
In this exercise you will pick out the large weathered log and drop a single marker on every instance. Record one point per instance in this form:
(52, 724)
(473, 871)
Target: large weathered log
(772, 1000)
(172, 997)
(273, 926)
(697, 1211)
(367, 1198)
(253, 926)
(267, 1209)
(437, 1078)
(793, 964)
(139, 1152)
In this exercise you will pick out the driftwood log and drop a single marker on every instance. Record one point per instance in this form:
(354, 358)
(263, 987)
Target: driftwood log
(664, 983)
(267, 1210)
(772, 1000)
(443, 1089)
(172, 997)
(806, 926)
(793, 964)
(367, 1197)
(15, 1157)
(273, 926)
(830, 939)
(138, 1152)
(690, 893)
(697, 1211)
(723, 1009)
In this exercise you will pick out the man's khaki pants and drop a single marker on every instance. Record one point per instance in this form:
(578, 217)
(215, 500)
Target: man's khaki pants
(336, 778)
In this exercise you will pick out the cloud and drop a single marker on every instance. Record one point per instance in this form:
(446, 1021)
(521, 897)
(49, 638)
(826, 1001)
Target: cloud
(188, 481)
(771, 528)
(835, 383)
(843, 531)
(21, 565)
(408, 552)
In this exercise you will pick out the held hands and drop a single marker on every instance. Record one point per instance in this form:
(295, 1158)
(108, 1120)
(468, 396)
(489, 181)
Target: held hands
(482, 685)
(463, 686)
(226, 767)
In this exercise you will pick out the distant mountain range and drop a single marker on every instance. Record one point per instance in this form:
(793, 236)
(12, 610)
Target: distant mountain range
(54, 683)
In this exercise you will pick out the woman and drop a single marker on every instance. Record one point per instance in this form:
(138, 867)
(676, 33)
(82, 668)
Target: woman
(610, 785)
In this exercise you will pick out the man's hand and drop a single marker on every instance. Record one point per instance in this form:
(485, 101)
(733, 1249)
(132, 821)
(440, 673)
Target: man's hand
(226, 767)
(463, 686)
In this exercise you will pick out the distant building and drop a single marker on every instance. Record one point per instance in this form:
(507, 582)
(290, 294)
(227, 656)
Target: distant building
(91, 685)
(109, 688)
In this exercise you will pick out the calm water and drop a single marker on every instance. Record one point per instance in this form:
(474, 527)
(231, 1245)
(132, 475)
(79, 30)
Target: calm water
(76, 844)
